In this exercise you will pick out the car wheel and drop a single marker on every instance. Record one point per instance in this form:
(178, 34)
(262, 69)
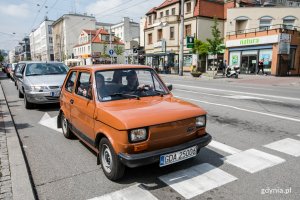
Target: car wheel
(27, 104)
(20, 94)
(65, 127)
(110, 163)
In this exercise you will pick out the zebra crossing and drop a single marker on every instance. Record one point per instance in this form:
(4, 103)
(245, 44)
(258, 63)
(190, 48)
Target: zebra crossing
(196, 180)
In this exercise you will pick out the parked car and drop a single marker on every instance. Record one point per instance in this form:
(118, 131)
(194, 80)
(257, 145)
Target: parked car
(40, 82)
(129, 117)
(12, 71)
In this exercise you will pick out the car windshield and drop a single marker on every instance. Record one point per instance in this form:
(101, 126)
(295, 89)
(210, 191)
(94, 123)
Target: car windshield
(130, 83)
(35, 69)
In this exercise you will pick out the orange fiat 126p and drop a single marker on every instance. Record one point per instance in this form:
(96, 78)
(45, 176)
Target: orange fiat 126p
(129, 117)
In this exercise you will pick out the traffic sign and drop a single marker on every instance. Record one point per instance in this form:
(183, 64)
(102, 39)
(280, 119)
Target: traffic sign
(111, 52)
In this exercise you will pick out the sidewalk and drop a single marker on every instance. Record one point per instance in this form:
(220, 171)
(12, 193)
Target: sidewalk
(243, 78)
(14, 178)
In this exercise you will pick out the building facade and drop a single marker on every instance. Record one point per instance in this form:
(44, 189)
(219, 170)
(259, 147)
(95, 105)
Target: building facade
(94, 47)
(41, 42)
(126, 30)
(161, 30)
(65, 31)
(268, 34)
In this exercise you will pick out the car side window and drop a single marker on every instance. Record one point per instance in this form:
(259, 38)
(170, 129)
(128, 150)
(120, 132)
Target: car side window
(71, 82)
(83, 85)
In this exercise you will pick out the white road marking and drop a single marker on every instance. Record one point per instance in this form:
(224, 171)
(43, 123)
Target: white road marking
(243, 109)
(223, 147)
(238, 92)
(287, 145)
(131, 193)
(197, 179)
(299, 135)
(49, 122)
(253, 160)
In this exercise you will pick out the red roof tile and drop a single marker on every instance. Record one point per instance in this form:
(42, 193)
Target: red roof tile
(151, 11)
(167, 3)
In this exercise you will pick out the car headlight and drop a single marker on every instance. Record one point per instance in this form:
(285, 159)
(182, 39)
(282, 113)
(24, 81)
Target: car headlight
(201, 121)
(138, 135)
(38, 88)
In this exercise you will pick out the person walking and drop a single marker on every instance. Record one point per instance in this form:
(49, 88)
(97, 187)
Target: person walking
(261, 66)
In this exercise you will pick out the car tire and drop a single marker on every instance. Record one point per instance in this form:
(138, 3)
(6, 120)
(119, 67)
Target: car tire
(20, 94)
(27, 104)
(65, 127)
(110, 163)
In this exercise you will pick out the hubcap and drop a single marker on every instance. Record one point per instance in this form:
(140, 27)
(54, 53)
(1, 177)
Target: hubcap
(64, 124)
(106, 158)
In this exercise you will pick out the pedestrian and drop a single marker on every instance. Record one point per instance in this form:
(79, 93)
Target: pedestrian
(224, 67)
(261, 66)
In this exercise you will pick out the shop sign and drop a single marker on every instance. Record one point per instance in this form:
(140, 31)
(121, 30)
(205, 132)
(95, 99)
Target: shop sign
(190, 42)
(253, 41)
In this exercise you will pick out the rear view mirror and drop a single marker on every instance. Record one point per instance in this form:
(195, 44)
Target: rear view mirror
(18, 75)
(170, 86)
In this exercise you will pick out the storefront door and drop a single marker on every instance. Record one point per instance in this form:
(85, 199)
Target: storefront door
(249, 64)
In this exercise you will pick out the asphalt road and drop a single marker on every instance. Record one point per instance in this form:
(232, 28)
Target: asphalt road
(242, 118)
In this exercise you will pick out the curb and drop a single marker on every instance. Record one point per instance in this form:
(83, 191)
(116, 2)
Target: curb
(21, 185)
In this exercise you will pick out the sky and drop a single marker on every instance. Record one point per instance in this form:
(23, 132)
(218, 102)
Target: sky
(19, 17)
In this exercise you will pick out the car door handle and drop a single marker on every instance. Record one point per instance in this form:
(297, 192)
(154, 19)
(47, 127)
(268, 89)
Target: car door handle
(71, 101)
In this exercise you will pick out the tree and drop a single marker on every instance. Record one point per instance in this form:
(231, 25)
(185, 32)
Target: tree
(119, 50)
(215, 45)
(200, 48)
(1, 58)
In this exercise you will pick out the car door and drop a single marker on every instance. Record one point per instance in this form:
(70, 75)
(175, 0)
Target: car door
(83, 107)
(67, 94)
(20, 71)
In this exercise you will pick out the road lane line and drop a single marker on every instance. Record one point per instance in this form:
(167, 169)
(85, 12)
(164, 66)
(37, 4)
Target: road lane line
(253, 160)
(223, 147)
(242, 109)
(287, 145)
(197, 179)
(238, 92)
(299, 135)
(131, 193)
(49, 122)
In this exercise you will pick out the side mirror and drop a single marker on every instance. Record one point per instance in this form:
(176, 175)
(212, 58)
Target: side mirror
(170, 86)
(18, 75)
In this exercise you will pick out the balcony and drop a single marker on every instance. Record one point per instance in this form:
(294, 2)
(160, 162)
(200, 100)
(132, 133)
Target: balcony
(271, 30)
(170, 18)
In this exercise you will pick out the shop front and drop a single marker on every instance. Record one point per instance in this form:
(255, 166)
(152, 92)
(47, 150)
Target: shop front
(278, 52)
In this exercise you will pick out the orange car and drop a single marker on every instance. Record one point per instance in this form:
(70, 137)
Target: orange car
(128, 116)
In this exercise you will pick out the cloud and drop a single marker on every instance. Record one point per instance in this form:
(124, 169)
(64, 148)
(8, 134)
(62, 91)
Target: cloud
(20, 10)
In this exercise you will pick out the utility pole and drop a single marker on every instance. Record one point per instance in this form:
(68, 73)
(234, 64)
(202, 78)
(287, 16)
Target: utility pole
(181, 38)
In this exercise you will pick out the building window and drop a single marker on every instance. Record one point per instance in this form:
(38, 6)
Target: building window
(167, 12)
(50, 40)
(172, 33)
(150, 20)
(265, 23)
(161, 14)
(173, 11)
(155, 16)
(289, 22)
(188, 30)
(159, 34)
(188, 7)
(89, 49)
(150, 38)
(49, 29)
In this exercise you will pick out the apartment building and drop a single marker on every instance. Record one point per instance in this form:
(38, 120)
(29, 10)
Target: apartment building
(161, 29)
(93, 47)
(270, 34)
(41, 42)
(65, 32)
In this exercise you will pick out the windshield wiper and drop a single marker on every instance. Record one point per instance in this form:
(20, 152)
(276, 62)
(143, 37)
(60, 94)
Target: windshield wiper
(53, 73)
(34, 74)
(160, 93)
(126, 95)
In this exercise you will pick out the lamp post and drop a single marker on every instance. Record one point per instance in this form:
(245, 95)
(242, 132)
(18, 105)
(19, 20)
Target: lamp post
(181, 39)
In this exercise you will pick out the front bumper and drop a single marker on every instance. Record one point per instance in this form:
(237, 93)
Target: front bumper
(42, 97)
(135, 160)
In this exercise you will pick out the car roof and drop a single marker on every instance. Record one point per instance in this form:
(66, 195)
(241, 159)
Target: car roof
(101, 67)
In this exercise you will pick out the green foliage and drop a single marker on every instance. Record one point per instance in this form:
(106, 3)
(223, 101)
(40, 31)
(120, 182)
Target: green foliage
(200, 47)
(1, 58)
(119, 50)
(215, 45)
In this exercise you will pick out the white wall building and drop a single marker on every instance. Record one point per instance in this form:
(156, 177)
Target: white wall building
(65, 33)
(126, 30)
(11, 56)
(41, 42)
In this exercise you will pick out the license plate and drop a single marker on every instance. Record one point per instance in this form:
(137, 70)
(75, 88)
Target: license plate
(178, 156)
(55, 94)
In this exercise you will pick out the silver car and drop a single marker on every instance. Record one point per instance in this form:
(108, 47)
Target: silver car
(40, 82)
